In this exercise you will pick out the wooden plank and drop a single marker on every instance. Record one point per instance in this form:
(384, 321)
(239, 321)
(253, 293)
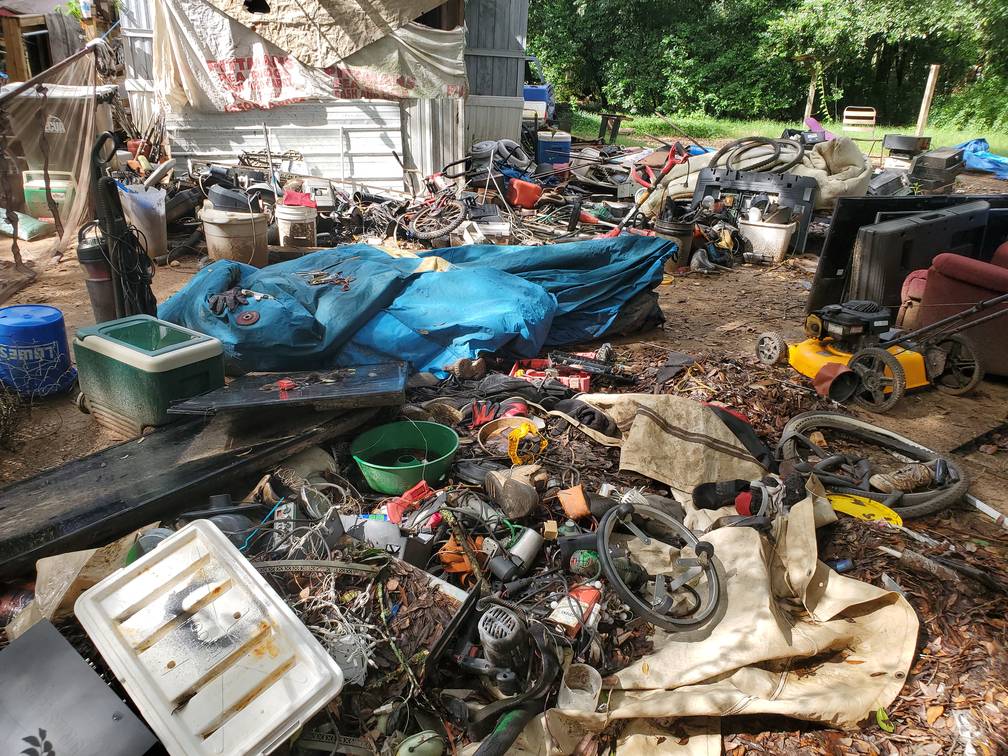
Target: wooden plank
(810, 99)
(929, 90)
(104, 496)
(17, 59)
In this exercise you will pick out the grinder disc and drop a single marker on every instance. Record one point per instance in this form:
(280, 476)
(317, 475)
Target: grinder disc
(247, 318)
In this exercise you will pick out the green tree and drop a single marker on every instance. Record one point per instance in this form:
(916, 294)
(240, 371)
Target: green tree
(754, 58)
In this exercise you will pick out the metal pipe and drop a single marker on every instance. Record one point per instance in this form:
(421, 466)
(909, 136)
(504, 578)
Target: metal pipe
(937, 325)
(39, 78)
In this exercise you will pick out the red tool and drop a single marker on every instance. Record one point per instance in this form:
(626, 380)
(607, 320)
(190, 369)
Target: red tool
(676, 156)
(398, 506)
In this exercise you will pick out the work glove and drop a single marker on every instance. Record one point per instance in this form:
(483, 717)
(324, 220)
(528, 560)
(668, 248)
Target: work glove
(227, 300)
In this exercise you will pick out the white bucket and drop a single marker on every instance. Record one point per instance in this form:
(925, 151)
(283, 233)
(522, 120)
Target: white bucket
(235, 235)
(769, 240)
(297, 225)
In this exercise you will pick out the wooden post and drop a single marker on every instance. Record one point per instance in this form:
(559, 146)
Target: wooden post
(17, 61)
(810, 100)
(929, 91)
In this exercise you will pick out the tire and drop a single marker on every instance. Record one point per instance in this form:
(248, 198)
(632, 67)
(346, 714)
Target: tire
(871, 365)
(771, 348)
(912, 504)
(446, 218)
(963, 371)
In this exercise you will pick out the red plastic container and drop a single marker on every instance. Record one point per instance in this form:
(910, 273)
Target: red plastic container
(537, 370)
(523, 193)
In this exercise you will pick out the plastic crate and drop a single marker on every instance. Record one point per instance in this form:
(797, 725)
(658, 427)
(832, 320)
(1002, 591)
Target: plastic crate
(539, 369)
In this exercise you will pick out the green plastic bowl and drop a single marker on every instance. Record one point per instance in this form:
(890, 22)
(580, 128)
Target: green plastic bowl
(391, 457)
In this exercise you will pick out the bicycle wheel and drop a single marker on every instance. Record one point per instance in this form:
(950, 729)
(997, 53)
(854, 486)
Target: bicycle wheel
(435, 221)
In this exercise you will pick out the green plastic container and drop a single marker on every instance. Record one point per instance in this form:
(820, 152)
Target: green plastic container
(395, 457)
(131, 369)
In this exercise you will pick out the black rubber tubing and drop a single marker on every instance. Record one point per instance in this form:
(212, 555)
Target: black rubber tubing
(910, 504)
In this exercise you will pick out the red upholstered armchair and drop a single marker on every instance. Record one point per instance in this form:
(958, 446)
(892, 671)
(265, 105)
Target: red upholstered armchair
(951, 285)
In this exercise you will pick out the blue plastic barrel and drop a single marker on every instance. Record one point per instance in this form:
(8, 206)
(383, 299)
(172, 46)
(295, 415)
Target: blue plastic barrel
(34, 357)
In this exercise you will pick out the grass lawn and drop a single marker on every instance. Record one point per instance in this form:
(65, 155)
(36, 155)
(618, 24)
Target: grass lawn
(701, 128)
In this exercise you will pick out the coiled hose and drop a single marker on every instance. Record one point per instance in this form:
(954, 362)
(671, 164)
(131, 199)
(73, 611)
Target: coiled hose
(734, 150)
(795, 439)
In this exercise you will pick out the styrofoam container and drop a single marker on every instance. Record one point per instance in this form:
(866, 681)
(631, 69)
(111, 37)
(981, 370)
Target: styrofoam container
(212, 657)
(769, 240)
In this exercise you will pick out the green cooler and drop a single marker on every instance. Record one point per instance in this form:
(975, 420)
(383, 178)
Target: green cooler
(131, 369)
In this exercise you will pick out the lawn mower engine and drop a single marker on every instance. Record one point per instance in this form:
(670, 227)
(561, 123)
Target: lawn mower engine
(853, 325)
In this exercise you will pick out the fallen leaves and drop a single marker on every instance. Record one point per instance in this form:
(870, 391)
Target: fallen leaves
(933, 712)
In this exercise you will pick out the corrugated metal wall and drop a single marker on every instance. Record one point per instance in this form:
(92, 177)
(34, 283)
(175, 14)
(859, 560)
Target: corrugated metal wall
(495, 66)
(432, 135)
(352, 139)
(138, 40)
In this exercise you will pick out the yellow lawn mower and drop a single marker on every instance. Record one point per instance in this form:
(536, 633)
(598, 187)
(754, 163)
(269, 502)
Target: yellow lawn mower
(853, 354)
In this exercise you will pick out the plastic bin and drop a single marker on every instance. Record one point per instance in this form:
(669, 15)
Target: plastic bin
(213, 658)
(34, 357)
(769, 240)
(395, 457)
(131, 369)
(145, 209)
(553, 147)
(62, 186)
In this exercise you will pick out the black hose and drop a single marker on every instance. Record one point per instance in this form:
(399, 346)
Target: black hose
(736, 156)
(799, 148)
(795, 435)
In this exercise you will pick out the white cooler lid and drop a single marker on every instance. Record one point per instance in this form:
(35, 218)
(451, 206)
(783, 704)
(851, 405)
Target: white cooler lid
(213, 658)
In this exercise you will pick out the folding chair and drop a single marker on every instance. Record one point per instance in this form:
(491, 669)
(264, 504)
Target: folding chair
(860, 118)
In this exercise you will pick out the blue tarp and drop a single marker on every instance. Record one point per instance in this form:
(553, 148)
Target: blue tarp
(978, 157)
(493, 298)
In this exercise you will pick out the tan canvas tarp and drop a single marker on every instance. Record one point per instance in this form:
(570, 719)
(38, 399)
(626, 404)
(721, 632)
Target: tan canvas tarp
(793, 637)
(322, 33)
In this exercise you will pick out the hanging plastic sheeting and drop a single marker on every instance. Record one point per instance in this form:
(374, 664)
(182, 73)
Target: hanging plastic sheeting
(208, 61)
(47, 130)
(428, 315)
